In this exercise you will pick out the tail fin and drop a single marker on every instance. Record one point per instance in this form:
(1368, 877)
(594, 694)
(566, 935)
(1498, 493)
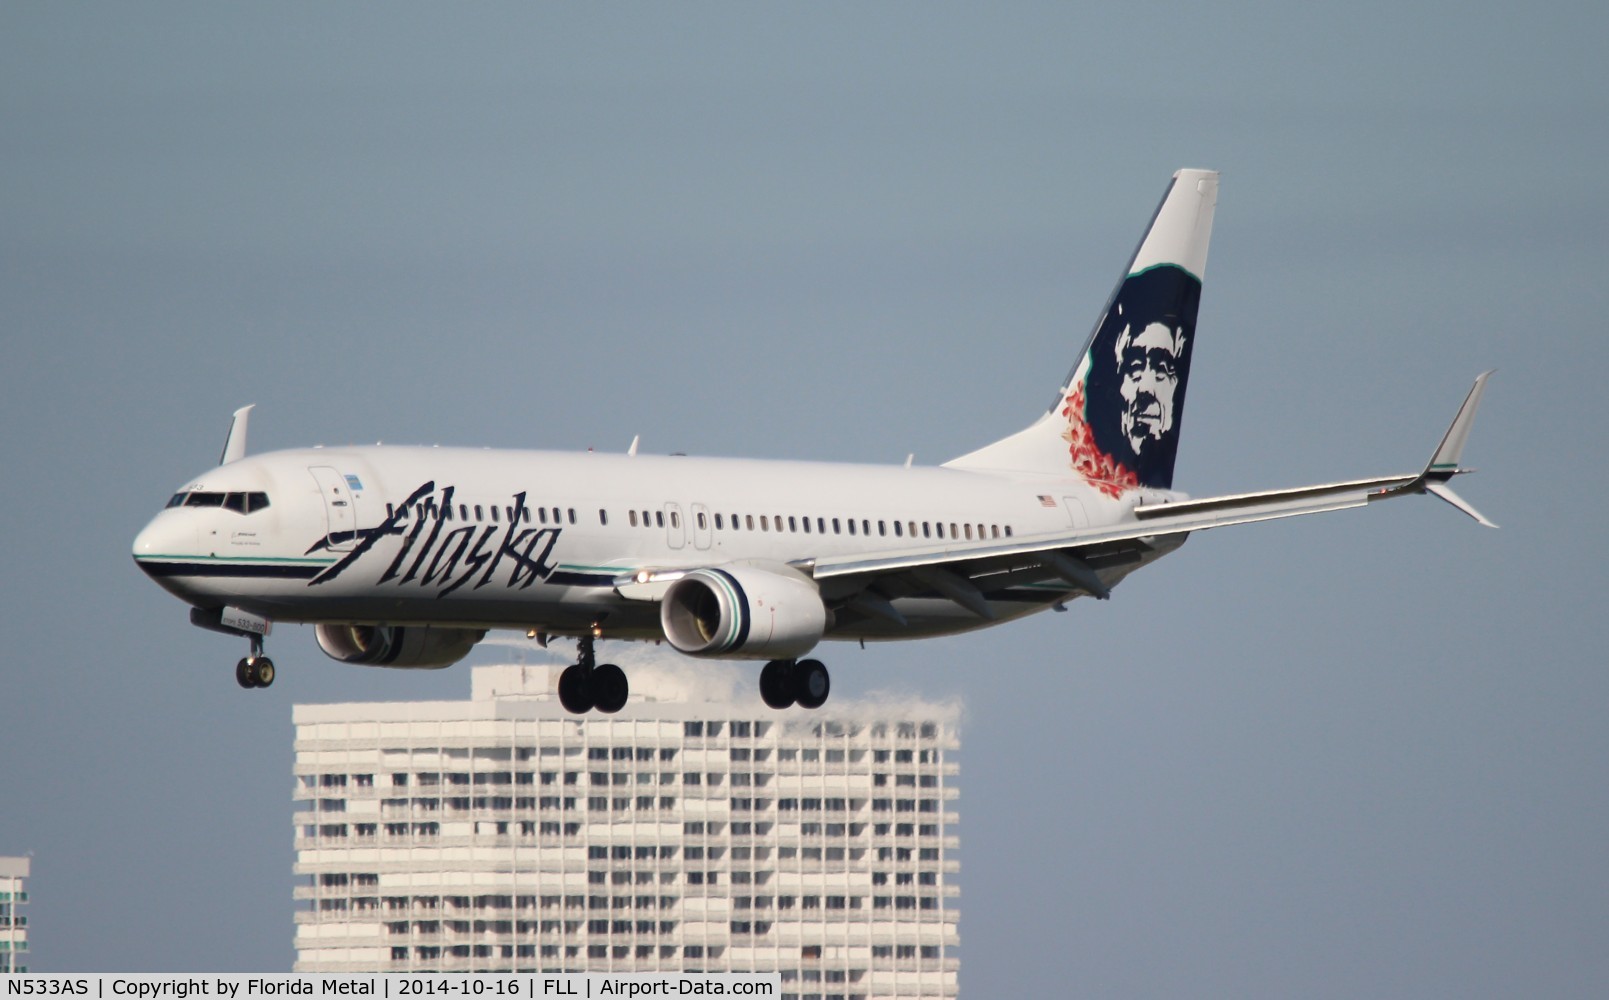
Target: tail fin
(1115, 421)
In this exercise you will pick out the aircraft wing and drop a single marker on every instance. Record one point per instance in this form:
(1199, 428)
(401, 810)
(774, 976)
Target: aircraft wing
(968, 573)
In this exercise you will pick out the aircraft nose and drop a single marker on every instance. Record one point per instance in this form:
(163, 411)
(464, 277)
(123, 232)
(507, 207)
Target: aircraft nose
(167, 537)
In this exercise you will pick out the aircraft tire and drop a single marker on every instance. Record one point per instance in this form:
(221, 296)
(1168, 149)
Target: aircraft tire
(609, 688)
(776, 689)
(263, 671)
(245, 675)
(575, 690)
(811, 683)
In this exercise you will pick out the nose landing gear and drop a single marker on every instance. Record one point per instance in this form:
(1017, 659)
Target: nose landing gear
(256, 670)
(587, 684)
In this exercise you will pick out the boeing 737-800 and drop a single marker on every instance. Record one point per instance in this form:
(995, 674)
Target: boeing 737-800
(407, 557)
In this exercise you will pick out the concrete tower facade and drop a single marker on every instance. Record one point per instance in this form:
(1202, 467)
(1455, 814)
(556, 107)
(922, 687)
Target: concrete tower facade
(13, 925)
(692, 831)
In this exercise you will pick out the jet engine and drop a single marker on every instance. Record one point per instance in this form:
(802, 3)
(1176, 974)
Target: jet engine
(744, 611)
(397, 645)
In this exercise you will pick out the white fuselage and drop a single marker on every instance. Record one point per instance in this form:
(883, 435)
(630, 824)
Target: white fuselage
(550, 541)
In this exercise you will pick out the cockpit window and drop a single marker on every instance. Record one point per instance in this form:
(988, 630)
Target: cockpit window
(240, 503)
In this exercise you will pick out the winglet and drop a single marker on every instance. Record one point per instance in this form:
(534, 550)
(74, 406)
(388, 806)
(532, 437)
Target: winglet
(1444, 463)
(1445, 492)
(234, 445)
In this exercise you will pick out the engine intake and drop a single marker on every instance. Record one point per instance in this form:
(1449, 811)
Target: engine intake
(397, 645)
(744, 611)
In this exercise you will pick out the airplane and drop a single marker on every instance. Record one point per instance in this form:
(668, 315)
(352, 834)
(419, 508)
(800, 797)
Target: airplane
(407, 557)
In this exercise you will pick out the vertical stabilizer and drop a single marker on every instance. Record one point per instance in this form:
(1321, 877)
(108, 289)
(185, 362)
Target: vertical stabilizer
(1116, 418)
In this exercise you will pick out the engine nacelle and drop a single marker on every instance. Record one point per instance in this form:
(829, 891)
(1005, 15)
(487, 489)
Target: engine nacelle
(744, 611)
(397, 645)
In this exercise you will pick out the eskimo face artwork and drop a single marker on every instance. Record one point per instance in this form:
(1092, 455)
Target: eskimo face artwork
(1124, 405)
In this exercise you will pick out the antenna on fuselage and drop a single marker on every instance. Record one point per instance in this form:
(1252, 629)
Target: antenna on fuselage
(234, 445)
(633, 449)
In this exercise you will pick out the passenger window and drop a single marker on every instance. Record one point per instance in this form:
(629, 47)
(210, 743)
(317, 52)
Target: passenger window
(899, 529)
(835, 527)
(806, 522)
(821, 526)
(675, 519)
(851, 526)
(572, 514)
(748, 521)
(994, 531)
(542, 514)
(631, 516)
(702, 522)
(765, 523)
(1008, 531)
(603, 517)
(925, 532)
(494, 516)
(793, 523)
(463, 512)
(865, 526)
(718, 525)
(659, 519)
(969, 532)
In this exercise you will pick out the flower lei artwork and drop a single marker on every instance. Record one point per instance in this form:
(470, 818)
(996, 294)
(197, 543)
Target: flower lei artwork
(1099, 469)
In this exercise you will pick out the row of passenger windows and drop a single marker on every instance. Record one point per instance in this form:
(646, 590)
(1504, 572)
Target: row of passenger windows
(430, 510)
(805, 524)
(789, 523)
(240, 503)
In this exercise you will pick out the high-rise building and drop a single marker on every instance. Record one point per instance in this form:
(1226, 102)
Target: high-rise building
(13, 925)
(692, 831)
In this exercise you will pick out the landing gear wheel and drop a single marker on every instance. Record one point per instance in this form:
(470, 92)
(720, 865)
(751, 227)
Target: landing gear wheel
(254, 672)
(811, 684)
(575, 689)
(609, 688)
(776, 688)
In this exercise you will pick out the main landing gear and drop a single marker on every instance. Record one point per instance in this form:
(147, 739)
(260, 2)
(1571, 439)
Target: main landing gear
(256, 670)
(805, 683)
(587, 684)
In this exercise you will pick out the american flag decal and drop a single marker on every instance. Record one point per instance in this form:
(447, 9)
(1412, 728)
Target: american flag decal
(1045, 501)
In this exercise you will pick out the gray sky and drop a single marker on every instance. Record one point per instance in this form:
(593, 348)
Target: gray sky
(1355, 755)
